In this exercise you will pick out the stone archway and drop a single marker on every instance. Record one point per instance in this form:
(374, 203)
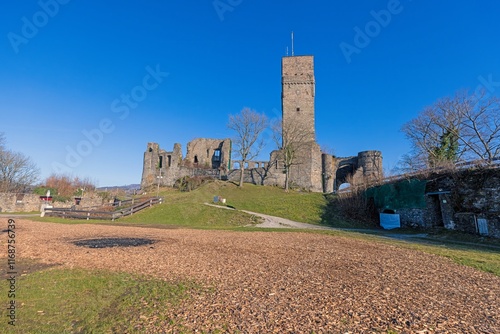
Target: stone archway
(344, 172)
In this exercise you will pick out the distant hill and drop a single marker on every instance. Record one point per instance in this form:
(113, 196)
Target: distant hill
(127, 188)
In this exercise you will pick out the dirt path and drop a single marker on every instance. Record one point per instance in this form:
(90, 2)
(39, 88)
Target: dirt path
(276, 222)
(258, 282)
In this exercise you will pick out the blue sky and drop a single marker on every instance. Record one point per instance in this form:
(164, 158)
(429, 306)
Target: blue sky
(69, 65)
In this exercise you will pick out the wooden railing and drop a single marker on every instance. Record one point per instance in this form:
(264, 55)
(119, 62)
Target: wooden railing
(102, 215)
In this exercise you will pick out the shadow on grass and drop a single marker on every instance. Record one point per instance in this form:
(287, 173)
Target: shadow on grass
(25, 267)
(334, 215)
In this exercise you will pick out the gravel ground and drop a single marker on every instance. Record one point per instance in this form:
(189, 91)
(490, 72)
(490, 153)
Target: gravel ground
(259, 282)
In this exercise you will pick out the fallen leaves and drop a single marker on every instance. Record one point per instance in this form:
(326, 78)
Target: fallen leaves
(257, 282)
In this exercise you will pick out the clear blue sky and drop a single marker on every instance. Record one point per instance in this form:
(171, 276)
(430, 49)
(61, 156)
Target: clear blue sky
(66, 69)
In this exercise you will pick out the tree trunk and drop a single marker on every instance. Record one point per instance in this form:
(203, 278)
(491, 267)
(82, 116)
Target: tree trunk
(242, 173)
(287, 175)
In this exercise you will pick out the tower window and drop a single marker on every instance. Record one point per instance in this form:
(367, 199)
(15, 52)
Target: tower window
(298, 108)
(217, 155)
(160, 162)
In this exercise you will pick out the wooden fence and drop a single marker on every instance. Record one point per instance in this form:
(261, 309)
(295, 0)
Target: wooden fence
(103, 215)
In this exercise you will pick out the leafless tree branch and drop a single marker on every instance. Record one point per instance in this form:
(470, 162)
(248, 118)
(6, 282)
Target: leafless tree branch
(248, 126)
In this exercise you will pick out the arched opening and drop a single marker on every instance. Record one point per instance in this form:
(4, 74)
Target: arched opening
(160, 162)
(169, 160)
(343, 175)
(195, 159)
(344, 187)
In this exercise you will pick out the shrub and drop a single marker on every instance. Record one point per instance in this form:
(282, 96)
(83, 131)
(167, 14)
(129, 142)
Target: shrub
(188, 183)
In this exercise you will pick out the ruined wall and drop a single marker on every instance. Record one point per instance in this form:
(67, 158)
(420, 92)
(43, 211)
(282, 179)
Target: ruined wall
(366, 167)
(10, 202)
(258, 176)
(208, 153)
(205, 157)
(19, 202)
(156, 163)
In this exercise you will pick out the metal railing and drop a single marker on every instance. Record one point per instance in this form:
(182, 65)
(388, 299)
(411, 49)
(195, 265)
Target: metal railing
(436, 170)
(428, 171)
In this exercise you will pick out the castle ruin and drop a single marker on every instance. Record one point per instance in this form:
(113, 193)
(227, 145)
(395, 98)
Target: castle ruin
(313, 171)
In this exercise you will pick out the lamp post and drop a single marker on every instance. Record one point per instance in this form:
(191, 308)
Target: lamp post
(159, 180)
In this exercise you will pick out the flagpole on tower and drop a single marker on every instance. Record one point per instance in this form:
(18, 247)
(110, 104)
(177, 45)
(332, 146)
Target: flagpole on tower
(293, 51)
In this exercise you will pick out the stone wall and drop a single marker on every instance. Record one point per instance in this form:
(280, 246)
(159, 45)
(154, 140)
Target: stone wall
(428, 217)
(204, 157)
(19, 202)
(365, 167)
(208, 153)
(474, 192)
(32, 202)
(307, 171)
(459, 200)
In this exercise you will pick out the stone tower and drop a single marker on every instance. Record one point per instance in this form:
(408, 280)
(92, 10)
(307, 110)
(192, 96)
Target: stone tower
(298, 90)
(297, 102)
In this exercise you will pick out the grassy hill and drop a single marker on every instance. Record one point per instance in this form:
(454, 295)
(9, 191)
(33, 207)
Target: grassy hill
(187, 209)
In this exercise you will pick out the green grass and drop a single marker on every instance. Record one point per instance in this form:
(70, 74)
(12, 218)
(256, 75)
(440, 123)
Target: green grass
(187, 210)
(305, 207)
(81, 301)
(485, 260)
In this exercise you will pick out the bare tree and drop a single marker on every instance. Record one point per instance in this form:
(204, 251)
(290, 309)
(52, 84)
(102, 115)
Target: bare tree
(481, 127)
(291, 139)
(462, 127)
(248, 126)
(2, 142)
(17, 172)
